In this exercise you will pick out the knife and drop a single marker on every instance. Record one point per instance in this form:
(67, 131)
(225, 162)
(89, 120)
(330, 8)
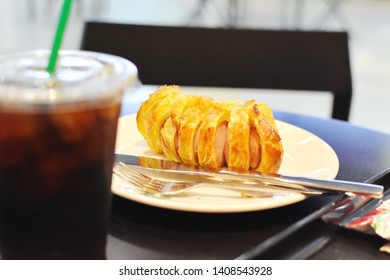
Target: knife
(168, 170)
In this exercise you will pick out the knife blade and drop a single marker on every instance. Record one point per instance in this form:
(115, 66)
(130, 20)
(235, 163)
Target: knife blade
(168, 170)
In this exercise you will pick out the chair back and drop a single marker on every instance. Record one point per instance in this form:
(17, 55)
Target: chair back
(222, 57)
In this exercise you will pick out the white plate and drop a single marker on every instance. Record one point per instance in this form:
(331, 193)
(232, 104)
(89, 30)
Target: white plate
(304, 154)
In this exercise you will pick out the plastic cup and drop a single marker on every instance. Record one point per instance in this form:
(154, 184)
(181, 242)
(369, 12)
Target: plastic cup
(57, 140)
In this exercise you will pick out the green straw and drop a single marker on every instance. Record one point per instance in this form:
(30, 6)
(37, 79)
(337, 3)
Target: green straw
(65, 11)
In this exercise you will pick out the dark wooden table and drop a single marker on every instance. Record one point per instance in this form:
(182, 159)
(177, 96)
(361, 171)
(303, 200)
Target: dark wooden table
(138, 231)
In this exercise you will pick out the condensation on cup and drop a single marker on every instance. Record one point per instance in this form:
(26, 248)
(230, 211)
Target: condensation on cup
(57, 140)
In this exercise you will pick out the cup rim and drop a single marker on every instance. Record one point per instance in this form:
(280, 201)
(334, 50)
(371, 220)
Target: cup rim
(116, 75)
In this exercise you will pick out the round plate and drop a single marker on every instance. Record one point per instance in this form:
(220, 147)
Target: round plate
(304, 155)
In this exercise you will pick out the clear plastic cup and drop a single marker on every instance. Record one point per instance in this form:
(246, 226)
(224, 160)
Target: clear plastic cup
(57, 140)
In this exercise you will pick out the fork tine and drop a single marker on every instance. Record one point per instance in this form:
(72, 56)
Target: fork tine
(126, 172)
(138, 184)
(139, 180)
(145, 180)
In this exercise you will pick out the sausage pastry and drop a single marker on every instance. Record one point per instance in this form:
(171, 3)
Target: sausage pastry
(198, 130)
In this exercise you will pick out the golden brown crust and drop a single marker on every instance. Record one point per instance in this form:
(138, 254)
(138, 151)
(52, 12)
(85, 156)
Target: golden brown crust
(169, 130)
(190, 122)
(172, 126)
(147, 108)
(157, 120)
(209, 144)
(270, 141)
(169, 140)
(197, 130)
(237, 154)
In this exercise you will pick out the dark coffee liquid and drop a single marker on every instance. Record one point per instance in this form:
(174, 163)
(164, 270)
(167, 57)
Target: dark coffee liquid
(55, 178)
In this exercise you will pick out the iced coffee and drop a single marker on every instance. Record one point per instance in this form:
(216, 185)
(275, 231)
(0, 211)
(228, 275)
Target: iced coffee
(57, 138)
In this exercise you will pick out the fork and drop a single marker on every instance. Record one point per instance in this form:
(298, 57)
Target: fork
(169, 188)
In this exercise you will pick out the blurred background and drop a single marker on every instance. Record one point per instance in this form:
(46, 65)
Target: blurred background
(30, 24)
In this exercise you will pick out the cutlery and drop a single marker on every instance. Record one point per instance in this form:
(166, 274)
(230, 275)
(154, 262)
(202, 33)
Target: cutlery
(319, 228)
(170, 171)
(154, 186)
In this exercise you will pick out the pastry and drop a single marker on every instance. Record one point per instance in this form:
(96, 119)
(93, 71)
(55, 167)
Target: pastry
(197, 130)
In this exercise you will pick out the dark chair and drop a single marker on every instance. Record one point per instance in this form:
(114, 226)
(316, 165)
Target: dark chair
(250, 58)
